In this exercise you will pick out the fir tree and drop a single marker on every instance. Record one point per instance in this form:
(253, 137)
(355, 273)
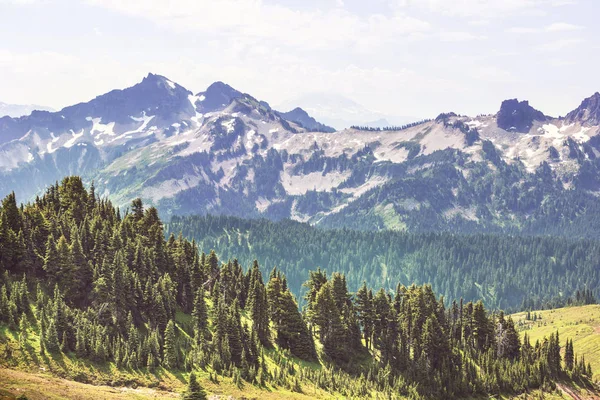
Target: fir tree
(569, 355)
(170, 346)
(194, 390)
(200, 316)
(258, 305)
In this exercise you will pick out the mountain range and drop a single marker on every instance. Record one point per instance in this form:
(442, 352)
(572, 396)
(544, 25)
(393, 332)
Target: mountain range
(221, 151)
(19, 110)
(341, 112)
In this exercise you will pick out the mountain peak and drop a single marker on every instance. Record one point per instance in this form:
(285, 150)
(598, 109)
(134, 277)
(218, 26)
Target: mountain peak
(159, 80)
(588, 112)
(218, 95)
(154, 95)
(515, 115)
(301, 117)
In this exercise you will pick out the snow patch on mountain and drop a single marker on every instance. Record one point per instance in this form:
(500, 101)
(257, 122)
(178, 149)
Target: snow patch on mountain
(69, 143)
(300, 184)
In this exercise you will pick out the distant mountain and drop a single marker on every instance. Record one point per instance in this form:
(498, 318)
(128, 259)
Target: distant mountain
(301, 117)
(341, 112)
(222, 151)
(19, 110)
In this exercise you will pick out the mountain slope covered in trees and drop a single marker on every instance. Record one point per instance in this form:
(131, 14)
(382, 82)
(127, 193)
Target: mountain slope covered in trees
(80, 281)
(508, 272)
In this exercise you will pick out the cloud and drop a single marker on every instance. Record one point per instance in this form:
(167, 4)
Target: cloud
(562, 27)
(255, 21)
(558, 45)
(58, 79)
(460, 37)
(522, 30)
(19, 2)
(555, 27)
(486, 8)
(492, 74)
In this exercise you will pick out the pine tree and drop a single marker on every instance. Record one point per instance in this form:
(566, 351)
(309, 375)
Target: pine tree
(23, 327)
(4, 304)
(170, 346)
(569, 355)
(194, 390)
(314, 283)
(11, 216)
(65, 268)
(200, 316)
(51, 340)
(364, 307)
(212, 265)
(481, 327)
(234, 334)
(258, 305)
(329, 321)
(292, 332)
(435, 347)
(82, 275)
(51, 261)
(80, 345)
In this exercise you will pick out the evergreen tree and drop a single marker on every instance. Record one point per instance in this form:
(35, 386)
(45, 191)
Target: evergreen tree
(364, 307)
(329, 322)
(194, 390)
(170, 346)
(258, 305)
(51, 340)
(569, 355)
(23, 327)
(200, 316)
(52, 261)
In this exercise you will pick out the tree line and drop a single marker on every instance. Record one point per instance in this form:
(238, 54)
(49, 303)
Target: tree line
(389, 128)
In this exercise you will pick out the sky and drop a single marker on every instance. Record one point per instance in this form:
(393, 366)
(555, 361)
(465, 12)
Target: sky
(398, 57)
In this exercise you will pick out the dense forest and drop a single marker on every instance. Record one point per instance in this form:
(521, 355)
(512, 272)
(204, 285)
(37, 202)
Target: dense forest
(108, 288)
(507, 272)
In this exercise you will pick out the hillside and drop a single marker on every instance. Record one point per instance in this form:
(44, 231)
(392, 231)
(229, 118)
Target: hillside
(582, 324)
(221, 151)
(94, 296)
(507, 272)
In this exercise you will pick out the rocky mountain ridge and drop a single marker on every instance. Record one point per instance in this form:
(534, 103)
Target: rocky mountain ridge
(225, 152)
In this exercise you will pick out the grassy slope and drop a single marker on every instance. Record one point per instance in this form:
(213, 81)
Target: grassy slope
(64, 376)
(582, 324)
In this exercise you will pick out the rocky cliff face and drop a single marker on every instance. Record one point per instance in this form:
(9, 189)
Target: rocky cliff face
(518, 116)
(587, 113)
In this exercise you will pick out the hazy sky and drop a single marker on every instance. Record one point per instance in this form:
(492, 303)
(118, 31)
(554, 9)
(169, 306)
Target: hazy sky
(400, 57)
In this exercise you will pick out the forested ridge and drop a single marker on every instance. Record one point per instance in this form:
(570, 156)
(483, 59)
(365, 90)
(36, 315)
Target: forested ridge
(507, 272)
(79, 279)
